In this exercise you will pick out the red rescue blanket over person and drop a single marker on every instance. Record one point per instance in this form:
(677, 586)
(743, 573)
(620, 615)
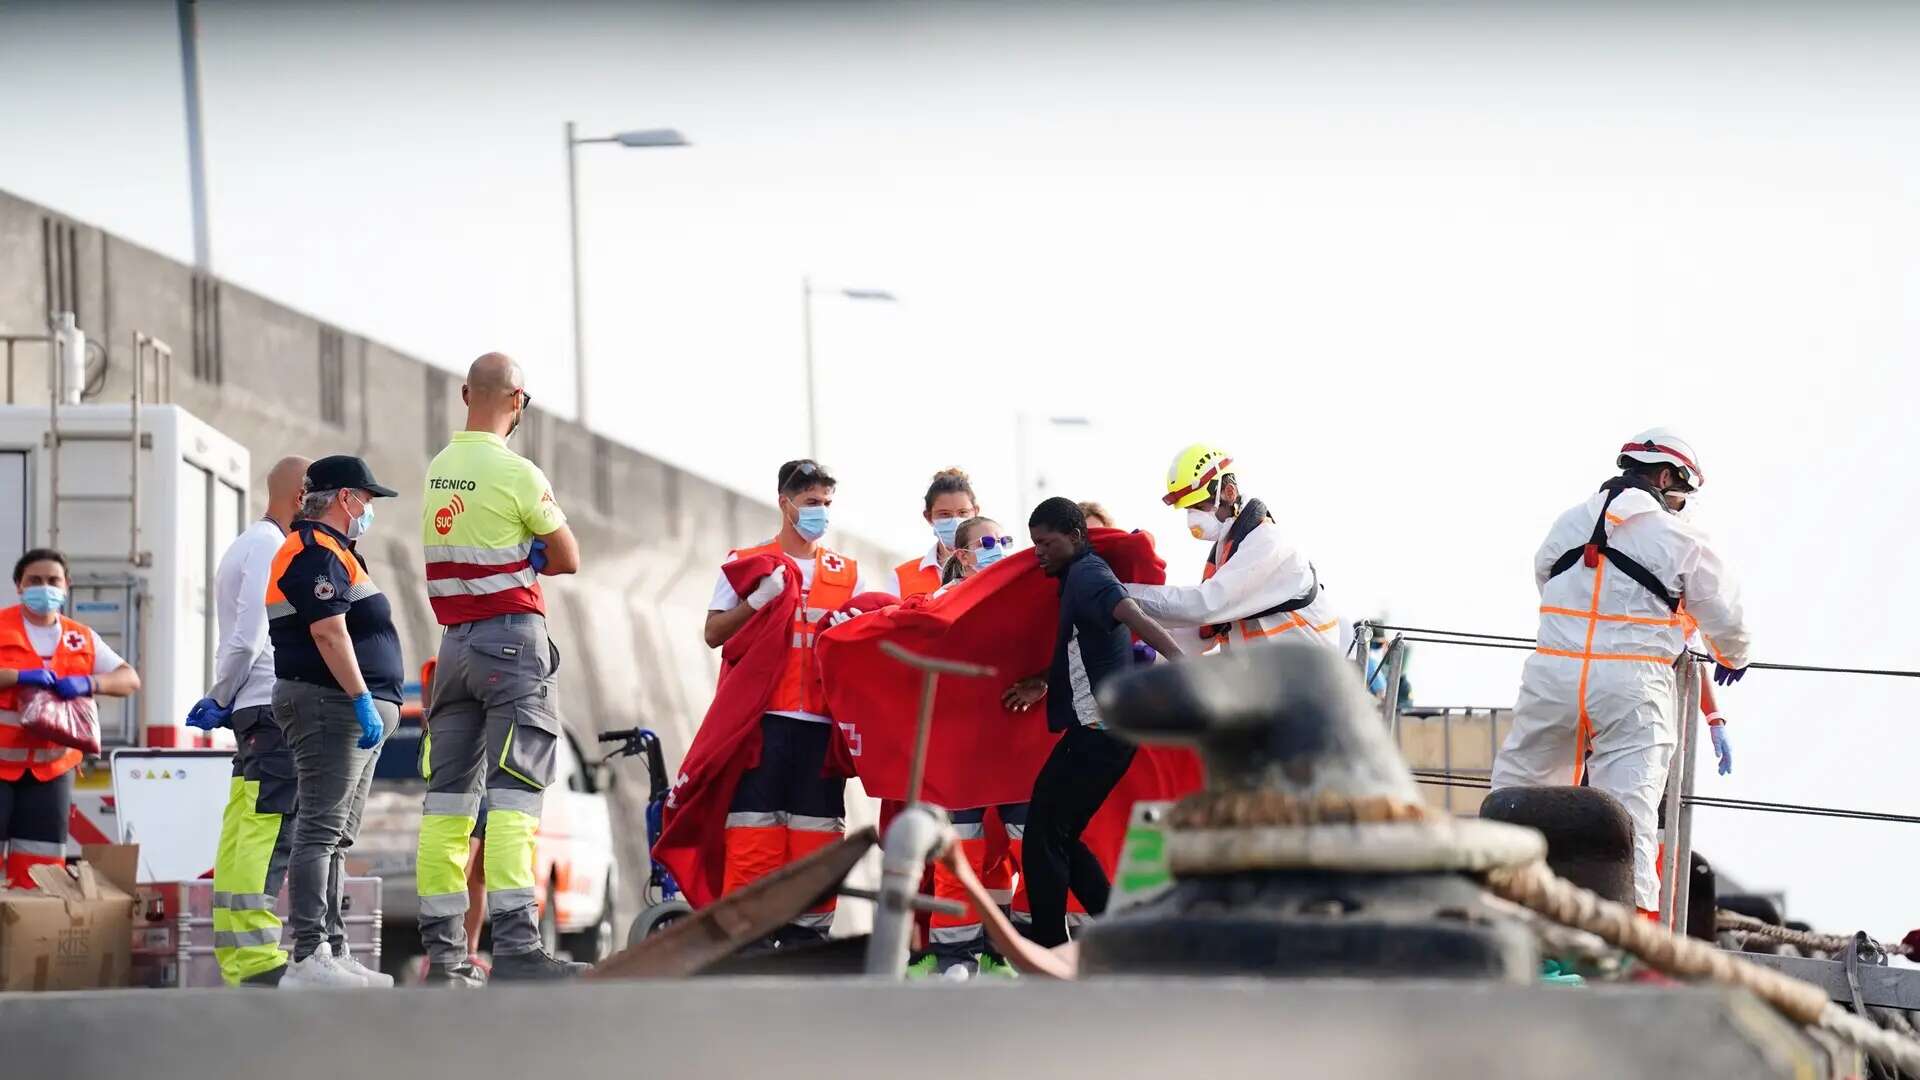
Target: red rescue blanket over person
(981, 753)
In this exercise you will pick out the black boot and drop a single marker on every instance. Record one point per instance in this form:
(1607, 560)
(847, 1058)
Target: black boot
(535, 966)
(460, 976)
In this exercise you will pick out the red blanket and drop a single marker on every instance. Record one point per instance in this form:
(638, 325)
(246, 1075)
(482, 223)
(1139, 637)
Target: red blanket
(981, 754)
(692, 835)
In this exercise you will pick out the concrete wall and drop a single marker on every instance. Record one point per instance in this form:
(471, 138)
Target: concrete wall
(628, 627)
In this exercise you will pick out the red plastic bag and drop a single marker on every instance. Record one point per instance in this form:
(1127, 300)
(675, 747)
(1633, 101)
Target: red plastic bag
(71, 722)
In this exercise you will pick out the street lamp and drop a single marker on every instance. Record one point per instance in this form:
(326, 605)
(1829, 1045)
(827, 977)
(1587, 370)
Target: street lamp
(645, 138)
(807, 292)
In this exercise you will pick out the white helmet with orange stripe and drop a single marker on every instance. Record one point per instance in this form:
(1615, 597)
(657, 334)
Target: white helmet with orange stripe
(1662, 446)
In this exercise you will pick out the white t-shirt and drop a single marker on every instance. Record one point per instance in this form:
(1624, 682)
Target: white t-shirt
(45, 638)
(725, 599)
(243, 662)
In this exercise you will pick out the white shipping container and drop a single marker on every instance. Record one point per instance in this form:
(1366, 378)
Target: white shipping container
(142, 531)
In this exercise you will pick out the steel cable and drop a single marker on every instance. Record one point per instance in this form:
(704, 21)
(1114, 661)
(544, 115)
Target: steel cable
(1428, 776)
(1511, 641)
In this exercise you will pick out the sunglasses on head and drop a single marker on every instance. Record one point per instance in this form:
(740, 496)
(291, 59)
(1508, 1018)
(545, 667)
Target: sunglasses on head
(988, 543)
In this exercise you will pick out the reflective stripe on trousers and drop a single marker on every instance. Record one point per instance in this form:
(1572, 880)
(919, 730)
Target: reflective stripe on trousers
(246, 928)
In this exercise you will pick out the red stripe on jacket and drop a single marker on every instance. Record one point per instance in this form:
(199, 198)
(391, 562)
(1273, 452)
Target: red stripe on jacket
(454, 610)
(442, 571)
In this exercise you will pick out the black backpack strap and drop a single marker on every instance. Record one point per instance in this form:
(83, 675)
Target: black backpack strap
(1252, 516)
(1597, 548)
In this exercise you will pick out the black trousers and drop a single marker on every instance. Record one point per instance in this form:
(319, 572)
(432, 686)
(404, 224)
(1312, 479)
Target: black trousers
(1084, 768)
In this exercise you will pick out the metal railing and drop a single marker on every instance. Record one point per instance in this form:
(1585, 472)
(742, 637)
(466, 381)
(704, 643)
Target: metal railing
(1690, 669)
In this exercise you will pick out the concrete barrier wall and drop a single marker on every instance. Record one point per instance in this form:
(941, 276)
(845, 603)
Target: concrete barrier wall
(628, 626)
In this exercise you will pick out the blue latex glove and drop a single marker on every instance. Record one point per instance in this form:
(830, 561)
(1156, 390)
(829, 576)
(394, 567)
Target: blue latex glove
(207, 714)
(539, 556)
(73, 686)
(370, 726)
(1143, 654)
(1722, 749)
(1726, 676)
(38, 678)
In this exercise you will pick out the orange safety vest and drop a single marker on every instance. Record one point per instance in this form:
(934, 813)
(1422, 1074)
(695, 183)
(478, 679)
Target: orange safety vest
(916, 580)
(72, 655)
(834, 579)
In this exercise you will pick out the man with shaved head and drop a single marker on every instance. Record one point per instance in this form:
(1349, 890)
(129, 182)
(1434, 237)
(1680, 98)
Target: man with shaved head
(490, 526)
(255, 837)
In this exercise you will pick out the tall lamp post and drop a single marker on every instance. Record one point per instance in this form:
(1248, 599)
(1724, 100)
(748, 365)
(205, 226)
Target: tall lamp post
(808, 290)
(1027, 482)
(634, 140)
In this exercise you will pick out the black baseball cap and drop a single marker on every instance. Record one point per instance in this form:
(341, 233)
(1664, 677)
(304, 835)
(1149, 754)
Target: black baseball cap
(337, 471)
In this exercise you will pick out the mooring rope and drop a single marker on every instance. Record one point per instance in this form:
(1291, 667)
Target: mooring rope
(1535, 887)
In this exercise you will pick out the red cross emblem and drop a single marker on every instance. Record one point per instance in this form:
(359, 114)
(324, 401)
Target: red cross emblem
(832, 563)
(75, 641)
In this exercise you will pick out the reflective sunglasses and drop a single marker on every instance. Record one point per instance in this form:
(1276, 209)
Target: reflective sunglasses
(988, 543)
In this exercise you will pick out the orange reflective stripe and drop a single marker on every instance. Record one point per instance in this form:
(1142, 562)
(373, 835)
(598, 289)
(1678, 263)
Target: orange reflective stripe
(1638, 658)
(1715, 650)
(1603, 617)
(1294, 622)
(1586, 667)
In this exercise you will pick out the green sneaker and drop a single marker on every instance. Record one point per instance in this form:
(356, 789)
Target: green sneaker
(923, 968)
(992, 966)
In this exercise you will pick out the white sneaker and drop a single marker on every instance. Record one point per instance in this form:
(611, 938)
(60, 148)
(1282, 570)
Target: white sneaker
(367, 975)
(319, 972)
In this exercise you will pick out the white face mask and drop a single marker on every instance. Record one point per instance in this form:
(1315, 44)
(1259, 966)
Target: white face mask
(1204, 526)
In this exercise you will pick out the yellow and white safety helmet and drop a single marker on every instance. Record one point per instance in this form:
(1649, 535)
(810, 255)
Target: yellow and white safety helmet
(1193, 469)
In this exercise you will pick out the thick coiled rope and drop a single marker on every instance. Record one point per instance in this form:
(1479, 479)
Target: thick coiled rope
(1535, 887)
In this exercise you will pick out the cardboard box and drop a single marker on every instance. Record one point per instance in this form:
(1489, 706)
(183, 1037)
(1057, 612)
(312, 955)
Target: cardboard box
(75, 931)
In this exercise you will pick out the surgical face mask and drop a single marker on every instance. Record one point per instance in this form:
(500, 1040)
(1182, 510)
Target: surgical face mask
(1204, 526)
(43, 599)
(983, 558)
(358, 525)
(946, 529)
(810, 522)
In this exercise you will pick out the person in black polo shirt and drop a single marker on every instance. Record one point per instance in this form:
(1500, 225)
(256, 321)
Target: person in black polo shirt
(1094, 643)
(337, 672)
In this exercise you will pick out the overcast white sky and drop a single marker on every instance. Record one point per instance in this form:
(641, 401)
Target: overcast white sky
(1421, 273)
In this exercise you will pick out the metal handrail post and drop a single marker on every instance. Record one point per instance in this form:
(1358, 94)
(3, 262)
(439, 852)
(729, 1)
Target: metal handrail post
(1393, 663)
(1682, 812)
(1672, 840)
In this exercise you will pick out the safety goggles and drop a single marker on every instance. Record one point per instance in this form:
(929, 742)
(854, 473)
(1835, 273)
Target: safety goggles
(988, 543)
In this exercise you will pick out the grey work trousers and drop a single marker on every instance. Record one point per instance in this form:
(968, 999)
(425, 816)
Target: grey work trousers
(334, 777)
(493, 707)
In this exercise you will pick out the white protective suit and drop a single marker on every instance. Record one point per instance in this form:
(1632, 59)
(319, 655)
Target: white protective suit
(1263, 573)
(1599, 693)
